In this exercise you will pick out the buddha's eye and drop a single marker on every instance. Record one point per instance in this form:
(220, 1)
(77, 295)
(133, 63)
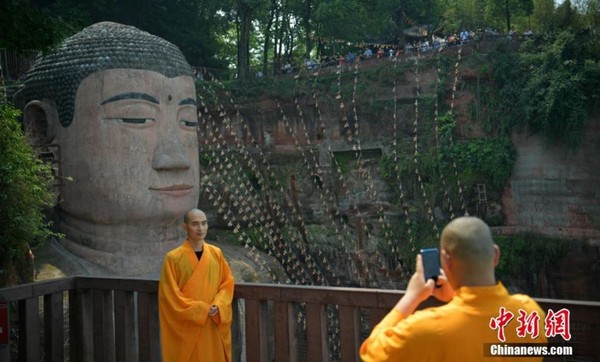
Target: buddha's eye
(140, 121)
(133, 122)
(188, 124)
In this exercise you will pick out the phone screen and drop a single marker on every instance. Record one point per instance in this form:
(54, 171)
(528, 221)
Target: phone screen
(431, 263)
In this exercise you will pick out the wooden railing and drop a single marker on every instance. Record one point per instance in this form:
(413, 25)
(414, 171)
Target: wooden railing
(109, 319)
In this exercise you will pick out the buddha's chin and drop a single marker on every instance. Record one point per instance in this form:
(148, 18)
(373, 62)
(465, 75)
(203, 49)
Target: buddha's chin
(159, 208)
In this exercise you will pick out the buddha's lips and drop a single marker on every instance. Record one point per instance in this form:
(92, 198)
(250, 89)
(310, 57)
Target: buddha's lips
(179, 187)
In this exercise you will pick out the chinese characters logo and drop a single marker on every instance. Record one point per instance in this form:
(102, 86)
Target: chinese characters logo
(555, 323)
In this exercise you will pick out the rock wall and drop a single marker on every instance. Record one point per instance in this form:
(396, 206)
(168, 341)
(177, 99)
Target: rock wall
(553, 190)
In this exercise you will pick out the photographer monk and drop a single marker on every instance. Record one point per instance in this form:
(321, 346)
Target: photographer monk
(462, 329)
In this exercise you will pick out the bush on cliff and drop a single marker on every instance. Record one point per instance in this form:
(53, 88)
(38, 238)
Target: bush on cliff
(25, 189)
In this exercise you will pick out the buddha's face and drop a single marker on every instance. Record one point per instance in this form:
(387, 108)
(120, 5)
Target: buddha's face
(131, 152)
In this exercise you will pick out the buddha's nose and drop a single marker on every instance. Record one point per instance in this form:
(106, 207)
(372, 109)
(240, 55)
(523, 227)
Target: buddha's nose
(169, 154)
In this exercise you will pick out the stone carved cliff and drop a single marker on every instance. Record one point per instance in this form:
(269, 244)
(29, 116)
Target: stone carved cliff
(555, 191)
(552, 191)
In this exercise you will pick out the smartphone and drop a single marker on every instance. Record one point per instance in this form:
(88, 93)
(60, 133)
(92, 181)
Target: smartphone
(431, 263)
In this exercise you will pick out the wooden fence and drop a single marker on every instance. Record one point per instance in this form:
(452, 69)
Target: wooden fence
(112, 319)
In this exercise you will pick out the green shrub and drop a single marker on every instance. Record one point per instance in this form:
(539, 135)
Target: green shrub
(25, 189)
(523, 258)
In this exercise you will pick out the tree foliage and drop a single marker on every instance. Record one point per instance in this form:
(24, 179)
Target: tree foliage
(505, 107)
(556, 103)
(27, 27)
(507, 9)
(542, 14)
(191, 25)
(253, 34)
(343, 19)
(526, 257)
(25, 189)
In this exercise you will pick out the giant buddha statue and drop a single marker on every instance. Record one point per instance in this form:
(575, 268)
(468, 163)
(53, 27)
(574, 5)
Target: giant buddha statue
(120, 104)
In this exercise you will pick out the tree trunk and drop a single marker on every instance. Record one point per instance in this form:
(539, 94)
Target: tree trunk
(289, 39)
(507, 13)
(268, 36)
(308, 28)
(319, 48)
(277, 43)
(245, 20)
(400, 25)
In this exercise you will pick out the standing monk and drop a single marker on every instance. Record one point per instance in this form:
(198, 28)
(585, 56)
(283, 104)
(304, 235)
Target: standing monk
(194, 295)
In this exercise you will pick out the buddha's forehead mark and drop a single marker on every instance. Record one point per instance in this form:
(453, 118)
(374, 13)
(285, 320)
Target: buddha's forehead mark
(131, 95)
(58, 74)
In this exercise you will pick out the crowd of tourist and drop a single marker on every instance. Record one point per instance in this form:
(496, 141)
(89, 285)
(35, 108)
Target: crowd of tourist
(380, 52)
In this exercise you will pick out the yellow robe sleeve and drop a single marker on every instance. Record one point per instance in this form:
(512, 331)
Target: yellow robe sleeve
(187, 289)
(383, 339)
(458, 331)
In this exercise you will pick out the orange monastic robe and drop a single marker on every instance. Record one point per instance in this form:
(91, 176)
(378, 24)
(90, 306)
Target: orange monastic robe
(186, 290)
(455, 332)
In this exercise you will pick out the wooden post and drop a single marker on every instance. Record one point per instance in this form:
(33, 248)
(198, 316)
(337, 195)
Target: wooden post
(362, 253)
(4, 333)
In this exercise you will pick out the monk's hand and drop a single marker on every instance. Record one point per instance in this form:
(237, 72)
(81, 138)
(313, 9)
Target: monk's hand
(213, 310)
(443, 291)
(417, 290)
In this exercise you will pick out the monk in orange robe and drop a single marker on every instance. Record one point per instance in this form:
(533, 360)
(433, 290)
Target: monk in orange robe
(195, 294)
(480, 311)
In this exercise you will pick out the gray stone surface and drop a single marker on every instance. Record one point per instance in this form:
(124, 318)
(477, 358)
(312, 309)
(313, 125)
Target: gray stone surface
(554, 190)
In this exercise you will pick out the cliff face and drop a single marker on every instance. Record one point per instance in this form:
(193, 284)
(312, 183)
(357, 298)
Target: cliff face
(553, 190)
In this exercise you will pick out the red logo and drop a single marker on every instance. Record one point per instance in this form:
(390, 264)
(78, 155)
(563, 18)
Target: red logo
(558, 323)
(528, 324)
(500, 322)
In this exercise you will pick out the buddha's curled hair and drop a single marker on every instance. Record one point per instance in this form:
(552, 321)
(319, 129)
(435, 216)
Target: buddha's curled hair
(99, 47)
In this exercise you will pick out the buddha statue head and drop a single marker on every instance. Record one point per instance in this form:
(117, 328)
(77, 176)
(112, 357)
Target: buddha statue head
(120, 106)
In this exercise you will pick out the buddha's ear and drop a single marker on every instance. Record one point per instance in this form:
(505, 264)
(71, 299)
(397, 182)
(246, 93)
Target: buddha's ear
(40, 119)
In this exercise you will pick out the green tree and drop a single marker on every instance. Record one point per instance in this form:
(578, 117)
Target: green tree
(245, 13)
(507, 9)
(192, 25)
(463, 14)
(267, 30)
(566, 17)
(549, 87)
(543, 11)
(555, 98)
(25, 189)
(343, 19)
(306, 14)
(24, 26)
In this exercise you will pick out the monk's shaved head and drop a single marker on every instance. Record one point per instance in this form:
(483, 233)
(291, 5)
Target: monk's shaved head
(469, 239)
(189, 214)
